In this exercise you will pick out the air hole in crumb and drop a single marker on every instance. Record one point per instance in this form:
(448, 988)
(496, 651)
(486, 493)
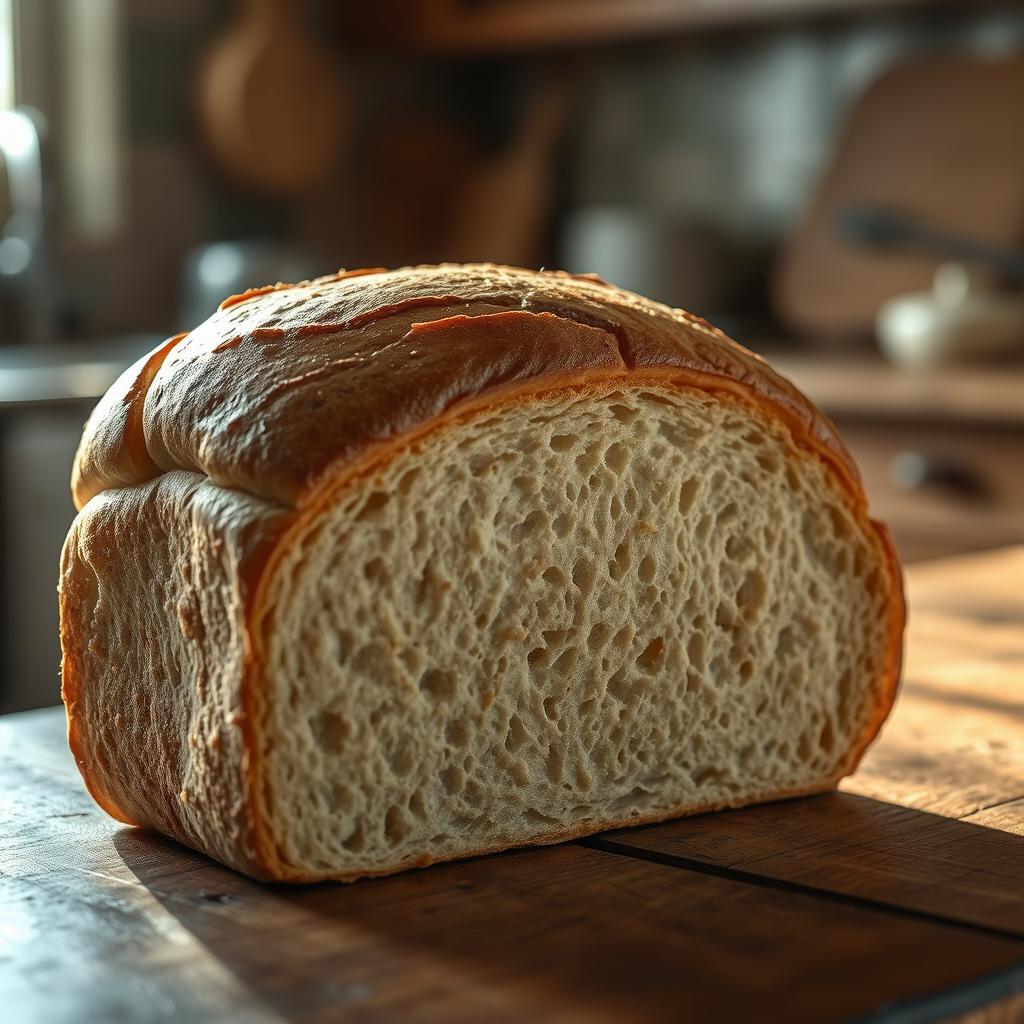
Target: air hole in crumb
(562, 442)
(376, 570)
(438, 684)
(616, 457)
(535, 816)
(750, 596)
(583, 574)
(553, 575)
(411, 659)
(562, 525)
(646, 569)
(536, 522)
(725, 618)
(619, 565)
(703, 531)
(624, 637)
(651, 656)
(623, 413)
(598, 636)
(395, 827)
(785, 644)
(537, 656)
(457, 733)
(453, 779)
(696, 650)
(827, 738)
(688, 494)
(408, 479)
(840, 524)
(516, 737)
(373, 504)
(551, 708)
(356, 839)
(330, 730)
(588, 460)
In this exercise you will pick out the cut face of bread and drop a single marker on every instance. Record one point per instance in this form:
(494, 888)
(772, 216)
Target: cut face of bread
(581, 610)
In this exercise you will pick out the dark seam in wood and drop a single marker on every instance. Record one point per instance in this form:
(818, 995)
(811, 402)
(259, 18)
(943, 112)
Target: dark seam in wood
(985, 992)
(798, 888)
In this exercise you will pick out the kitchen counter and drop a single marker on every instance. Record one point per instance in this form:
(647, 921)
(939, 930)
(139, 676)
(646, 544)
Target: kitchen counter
(72, 372)
(46, 393)
(864, 385)
(899, 898)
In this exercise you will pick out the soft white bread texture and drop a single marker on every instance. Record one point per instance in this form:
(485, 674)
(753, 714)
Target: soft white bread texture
(601, 598)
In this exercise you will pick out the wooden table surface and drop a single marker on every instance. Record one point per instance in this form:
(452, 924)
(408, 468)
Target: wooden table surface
(900, 898)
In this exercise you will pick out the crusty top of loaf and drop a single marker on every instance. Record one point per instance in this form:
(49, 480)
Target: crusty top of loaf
(285, 387)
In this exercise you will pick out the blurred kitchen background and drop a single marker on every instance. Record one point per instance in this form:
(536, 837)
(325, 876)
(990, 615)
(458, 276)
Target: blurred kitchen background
(839, 184)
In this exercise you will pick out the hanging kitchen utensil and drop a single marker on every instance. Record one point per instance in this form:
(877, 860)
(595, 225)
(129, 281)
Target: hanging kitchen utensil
(505, 202)
(270, 101)
(940, 138)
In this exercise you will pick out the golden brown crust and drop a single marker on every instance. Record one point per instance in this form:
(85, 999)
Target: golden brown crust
(116, 454)
(295, 393)
(155, 580)
(283, 386)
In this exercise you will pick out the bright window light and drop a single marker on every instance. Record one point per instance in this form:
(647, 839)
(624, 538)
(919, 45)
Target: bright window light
(6, 54)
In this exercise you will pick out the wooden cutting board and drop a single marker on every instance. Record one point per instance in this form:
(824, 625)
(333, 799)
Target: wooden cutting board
(940, 137)
(898, 899)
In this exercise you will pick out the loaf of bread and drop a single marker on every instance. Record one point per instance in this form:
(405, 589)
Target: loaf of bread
(390, 568)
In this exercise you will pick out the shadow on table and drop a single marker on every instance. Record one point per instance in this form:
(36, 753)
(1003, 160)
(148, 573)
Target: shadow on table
(569, 931)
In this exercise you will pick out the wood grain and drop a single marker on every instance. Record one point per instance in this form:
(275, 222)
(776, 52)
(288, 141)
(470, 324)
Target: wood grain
(934, 819)
(115, 923)
(864, 387)
(846, 906)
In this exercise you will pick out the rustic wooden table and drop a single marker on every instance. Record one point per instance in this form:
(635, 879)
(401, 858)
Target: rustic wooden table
(900, 898)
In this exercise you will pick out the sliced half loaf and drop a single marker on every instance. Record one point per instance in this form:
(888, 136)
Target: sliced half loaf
(395, 567)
